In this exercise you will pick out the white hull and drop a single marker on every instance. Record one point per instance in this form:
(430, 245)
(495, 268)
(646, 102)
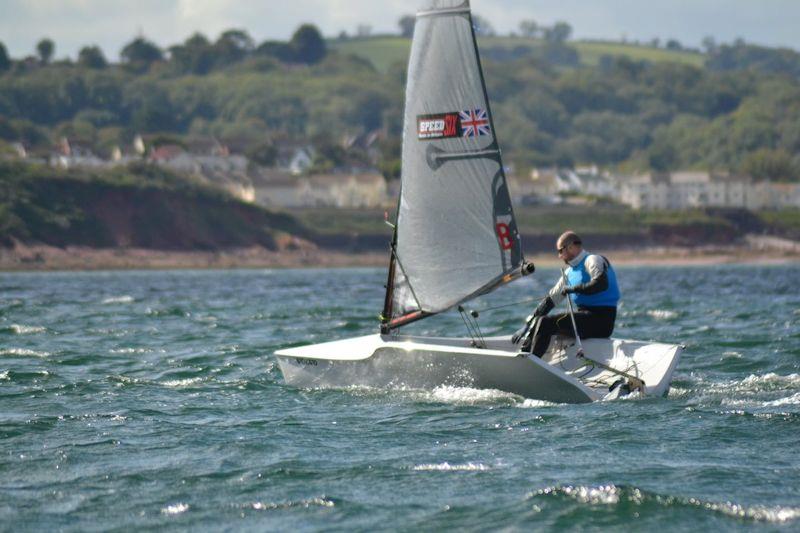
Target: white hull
(428, 362)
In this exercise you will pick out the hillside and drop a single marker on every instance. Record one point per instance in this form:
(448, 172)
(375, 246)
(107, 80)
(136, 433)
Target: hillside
(142, 216)
(137, 207)
(624, 107)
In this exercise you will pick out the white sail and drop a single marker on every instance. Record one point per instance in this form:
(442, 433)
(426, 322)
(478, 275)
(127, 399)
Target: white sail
(456, 236)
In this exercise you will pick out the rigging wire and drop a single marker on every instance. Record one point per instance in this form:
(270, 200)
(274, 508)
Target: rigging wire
(525, 301)
(466, 323)
(473, 329)
(474, 314)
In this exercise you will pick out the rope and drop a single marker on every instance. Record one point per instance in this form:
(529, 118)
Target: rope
(480, 333)
(525, 301)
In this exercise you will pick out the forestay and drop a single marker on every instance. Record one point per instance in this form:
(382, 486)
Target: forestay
(456, 236)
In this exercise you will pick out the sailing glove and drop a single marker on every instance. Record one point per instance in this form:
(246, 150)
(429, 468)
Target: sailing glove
(544, 307)
(517, 336)
(520, 333)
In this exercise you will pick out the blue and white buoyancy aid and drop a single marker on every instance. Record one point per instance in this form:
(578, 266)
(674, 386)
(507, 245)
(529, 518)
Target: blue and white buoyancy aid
(579, 274)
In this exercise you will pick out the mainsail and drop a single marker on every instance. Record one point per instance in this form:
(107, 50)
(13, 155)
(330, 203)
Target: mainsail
(456, 236)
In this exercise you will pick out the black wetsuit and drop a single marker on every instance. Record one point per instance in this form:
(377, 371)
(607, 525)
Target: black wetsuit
(597, 322)
(592, 321)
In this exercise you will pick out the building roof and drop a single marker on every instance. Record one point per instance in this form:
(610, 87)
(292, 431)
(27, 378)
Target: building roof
(273, 177)
(166, 152)
(690, 176)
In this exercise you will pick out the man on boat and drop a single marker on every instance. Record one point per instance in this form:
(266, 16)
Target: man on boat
(592, 285)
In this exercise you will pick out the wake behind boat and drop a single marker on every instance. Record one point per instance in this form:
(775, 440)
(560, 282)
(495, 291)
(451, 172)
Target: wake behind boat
(455, 239)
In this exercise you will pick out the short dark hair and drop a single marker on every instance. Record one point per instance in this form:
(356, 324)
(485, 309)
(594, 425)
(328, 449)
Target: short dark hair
(567, 238)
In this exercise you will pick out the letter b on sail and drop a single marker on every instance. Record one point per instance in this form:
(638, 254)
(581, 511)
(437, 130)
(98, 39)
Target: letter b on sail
(504, 235)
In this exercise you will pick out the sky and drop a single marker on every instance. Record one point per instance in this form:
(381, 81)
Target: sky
(72, 24)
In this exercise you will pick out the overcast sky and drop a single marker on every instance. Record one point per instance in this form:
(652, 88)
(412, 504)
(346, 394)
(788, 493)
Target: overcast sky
(112, 23)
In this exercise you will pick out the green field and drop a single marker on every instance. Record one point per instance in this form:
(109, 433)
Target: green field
(333, 221)
(382, 52)
(592, 51)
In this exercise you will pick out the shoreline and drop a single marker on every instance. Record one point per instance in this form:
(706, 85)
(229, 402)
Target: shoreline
(39, 258)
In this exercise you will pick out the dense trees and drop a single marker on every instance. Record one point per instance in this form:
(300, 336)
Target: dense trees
(559, 33)
(45, 48)
(194, 56)
(549, 108)
(406, 24)
(529, 28)
(92, 57)
(140, 53)
(5, 61)
(307, 45)
(740, 56)
(770, 165)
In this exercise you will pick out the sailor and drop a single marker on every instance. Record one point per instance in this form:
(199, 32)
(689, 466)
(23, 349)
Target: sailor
(592, 285)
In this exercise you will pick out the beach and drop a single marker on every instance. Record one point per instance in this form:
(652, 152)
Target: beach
(50, 258)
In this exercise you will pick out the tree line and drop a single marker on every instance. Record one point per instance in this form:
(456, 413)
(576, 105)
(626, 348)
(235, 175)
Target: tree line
(740, 112)
(196, 55)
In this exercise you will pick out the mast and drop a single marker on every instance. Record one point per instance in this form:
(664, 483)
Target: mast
(387, 301)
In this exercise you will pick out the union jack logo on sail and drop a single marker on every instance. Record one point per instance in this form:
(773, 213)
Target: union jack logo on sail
(474, 122)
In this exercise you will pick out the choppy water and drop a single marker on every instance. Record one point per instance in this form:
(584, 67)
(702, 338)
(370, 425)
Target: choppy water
(152, 400)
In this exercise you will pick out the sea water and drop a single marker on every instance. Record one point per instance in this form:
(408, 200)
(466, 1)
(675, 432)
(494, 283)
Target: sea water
(152, 400)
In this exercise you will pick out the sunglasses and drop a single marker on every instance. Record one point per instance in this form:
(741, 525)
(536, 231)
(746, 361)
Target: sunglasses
(561, 250)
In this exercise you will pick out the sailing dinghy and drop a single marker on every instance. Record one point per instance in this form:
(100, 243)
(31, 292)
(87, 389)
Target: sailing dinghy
(456, 239)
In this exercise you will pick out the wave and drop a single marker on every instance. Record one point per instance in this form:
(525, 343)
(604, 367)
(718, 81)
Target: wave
(123, 380)
(470, 396)
(678, 392)
(177, 508)
(311, 502)
(180, 383)
(529, 403)
(754, 383)
(125, 299)
(130, 350)
(447, 467)
(791, 400)
(19, 329)
(662, 314)
(167, 312)
(23, 352)
(448, 394)
(611, 495)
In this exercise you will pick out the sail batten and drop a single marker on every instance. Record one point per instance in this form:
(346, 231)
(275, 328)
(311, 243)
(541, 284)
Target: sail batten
(444, 11)
(456, 236)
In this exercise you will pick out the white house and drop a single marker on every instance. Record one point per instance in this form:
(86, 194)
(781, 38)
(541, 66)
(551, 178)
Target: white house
(229, 172)
(300, 161)
(688, 189)
(280, 189)
(70, 156)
